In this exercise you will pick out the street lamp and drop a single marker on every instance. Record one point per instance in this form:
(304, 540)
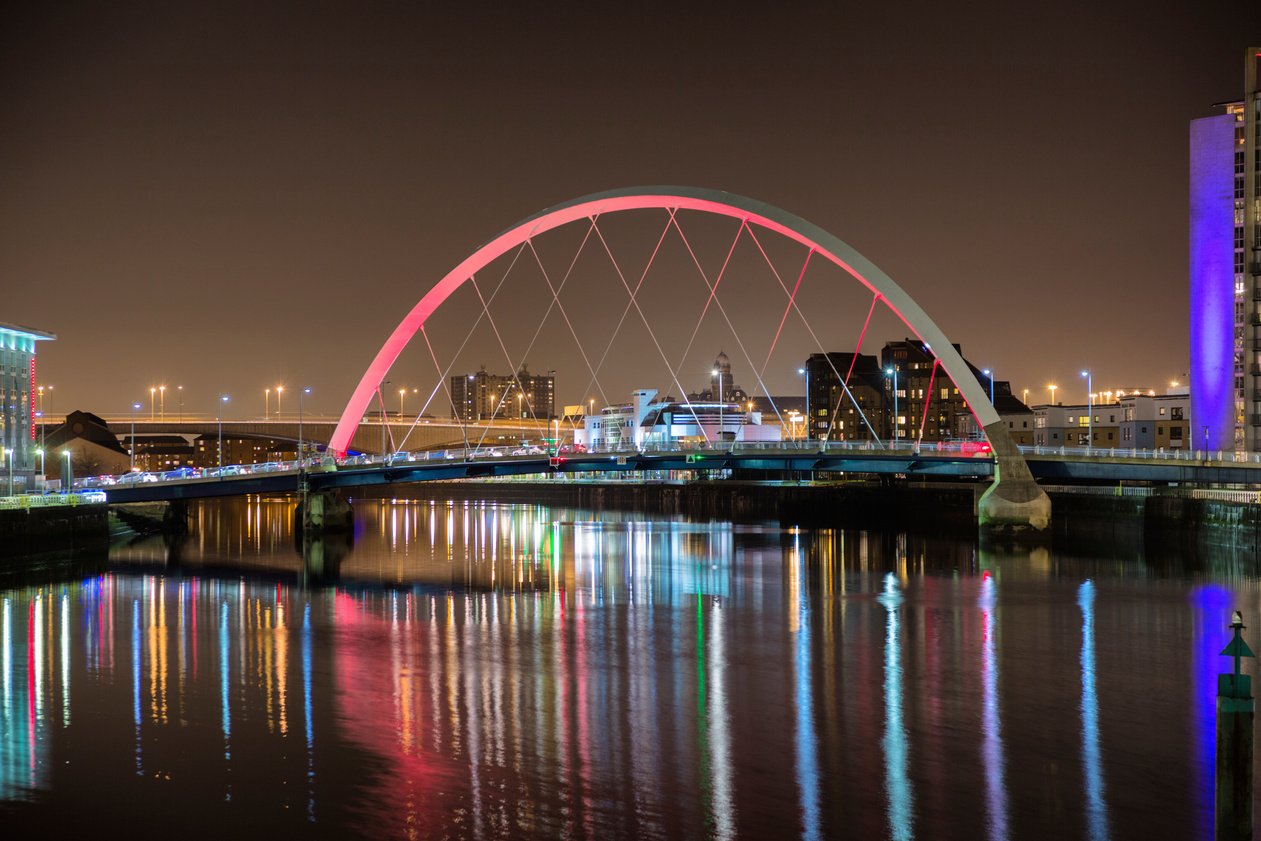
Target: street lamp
(162, 402)
(987, 372)
(180, 388)
(66, 473)
(805, 432)
(153, 394)
(135, 407)
(1025, 397)
(893, 371)
(266, 403)
(1052, 388)
(280, 390)
(40, 453)
(721, 427)
(402, 392)
(223, 398)
(306, 390)
(8, 457)
(1090, 409)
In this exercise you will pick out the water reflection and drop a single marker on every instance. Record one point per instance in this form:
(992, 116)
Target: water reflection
(1096, 808)
(991, 720)
(897, 783)
(482, 671)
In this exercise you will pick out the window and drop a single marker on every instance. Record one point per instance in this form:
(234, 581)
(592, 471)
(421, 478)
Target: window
(1162, 410)
(1176, 413)
(945, 393)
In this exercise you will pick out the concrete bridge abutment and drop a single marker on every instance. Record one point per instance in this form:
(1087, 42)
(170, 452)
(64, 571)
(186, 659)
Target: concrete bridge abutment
(323, 511)
(1015, 505)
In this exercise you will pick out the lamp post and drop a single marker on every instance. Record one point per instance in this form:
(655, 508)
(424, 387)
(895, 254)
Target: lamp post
(153, 402)
(266, 404)
(67, 473)
(223, 398)
(1025, 397)
(135, 407)
(987, 372)
(180, 389)
(1052, 389)
(893, 371)
(8, 457)
(718, 373)
(402, 392)
(43, 421)
(301, 391)
(162, 402)
(280, 391)
(1090, 409)
(40, 453)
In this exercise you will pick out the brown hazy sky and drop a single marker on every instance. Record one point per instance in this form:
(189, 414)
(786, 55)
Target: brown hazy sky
(230, 196)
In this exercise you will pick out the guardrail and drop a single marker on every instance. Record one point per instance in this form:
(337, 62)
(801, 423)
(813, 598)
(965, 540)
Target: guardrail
(1213, 494)
(27, 501)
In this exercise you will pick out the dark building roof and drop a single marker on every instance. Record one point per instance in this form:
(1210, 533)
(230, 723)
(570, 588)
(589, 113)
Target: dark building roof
(83, 426)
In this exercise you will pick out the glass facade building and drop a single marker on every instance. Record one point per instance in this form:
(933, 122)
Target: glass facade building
(1225, 270)
(17, 389)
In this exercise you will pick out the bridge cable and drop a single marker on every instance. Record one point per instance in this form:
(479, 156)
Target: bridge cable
(853, 360)
(626, 311)
(644, 318)
(810, 329)
(721, 309)
(784, 318)
(932, 377)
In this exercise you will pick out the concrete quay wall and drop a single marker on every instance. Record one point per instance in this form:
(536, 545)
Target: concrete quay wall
(62, 529)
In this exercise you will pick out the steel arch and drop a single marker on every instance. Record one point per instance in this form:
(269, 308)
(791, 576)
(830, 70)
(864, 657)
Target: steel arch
(701, 199)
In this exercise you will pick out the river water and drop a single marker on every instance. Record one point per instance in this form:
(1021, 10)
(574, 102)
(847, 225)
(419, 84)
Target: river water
(473, 670)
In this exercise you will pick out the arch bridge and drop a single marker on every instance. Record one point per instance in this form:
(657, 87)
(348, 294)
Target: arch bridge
(1012, 502)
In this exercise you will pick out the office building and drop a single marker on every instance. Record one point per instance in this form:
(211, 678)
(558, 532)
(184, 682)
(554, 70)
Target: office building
(1225, 268)
(18, 443)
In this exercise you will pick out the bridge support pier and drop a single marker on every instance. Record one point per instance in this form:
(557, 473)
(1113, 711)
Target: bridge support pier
(1014, 504)
(323, 511)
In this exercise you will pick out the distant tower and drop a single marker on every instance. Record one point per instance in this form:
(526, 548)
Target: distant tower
(720, 384)
(1225, 271)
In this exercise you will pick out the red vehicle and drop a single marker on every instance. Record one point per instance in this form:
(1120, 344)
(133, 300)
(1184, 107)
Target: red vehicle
(569, 449)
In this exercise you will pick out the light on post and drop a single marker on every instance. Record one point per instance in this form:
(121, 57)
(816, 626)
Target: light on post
(1090, 409)
(223, 398)
(135, 407)
(893, 372)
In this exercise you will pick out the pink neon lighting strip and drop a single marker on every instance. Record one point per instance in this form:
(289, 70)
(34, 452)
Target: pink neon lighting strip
(563, 215)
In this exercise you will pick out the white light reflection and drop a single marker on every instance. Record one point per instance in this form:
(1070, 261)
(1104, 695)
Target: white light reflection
(65, 659)
(224, 657)
(1096, 808)
(306, 704)
(803, 697)
(898, 785)
(720, 746)
(991, 721)
(135, 680)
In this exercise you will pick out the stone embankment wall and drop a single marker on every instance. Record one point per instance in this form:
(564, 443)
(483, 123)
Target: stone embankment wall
(44, 531)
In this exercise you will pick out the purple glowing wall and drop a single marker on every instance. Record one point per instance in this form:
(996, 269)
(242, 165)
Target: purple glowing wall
(1212, 304)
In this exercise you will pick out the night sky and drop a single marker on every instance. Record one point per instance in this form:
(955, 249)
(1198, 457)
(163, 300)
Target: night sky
(229, 197)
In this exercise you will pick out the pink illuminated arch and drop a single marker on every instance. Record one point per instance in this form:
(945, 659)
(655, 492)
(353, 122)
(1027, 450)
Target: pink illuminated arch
(751, 211)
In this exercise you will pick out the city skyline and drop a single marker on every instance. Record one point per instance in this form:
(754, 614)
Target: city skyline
(231, 202)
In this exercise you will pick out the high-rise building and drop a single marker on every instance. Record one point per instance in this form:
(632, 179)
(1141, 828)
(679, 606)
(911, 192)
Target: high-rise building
(1225, 270)
(486, 396)
(17, 397)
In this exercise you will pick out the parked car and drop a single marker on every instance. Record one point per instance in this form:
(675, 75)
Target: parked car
(182, 473)
(136, 478)
(569, 449)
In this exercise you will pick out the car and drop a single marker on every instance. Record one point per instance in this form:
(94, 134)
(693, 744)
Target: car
(568, 449)
(182, 473)
(136, 478)
(230, 470)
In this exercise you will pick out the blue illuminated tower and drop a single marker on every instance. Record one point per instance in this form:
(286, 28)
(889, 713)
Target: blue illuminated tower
(1225, 271)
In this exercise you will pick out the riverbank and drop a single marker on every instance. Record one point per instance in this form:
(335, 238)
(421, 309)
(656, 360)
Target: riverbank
(64, 530)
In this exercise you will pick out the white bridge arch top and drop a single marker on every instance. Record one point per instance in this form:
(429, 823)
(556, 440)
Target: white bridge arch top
(717, 202)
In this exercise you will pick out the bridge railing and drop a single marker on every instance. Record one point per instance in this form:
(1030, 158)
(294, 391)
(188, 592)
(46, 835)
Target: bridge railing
(28, 501)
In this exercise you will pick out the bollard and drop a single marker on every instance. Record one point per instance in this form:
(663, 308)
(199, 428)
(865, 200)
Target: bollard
(1235, 707)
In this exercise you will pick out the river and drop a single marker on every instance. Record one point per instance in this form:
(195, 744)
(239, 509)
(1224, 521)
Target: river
(482, 671)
